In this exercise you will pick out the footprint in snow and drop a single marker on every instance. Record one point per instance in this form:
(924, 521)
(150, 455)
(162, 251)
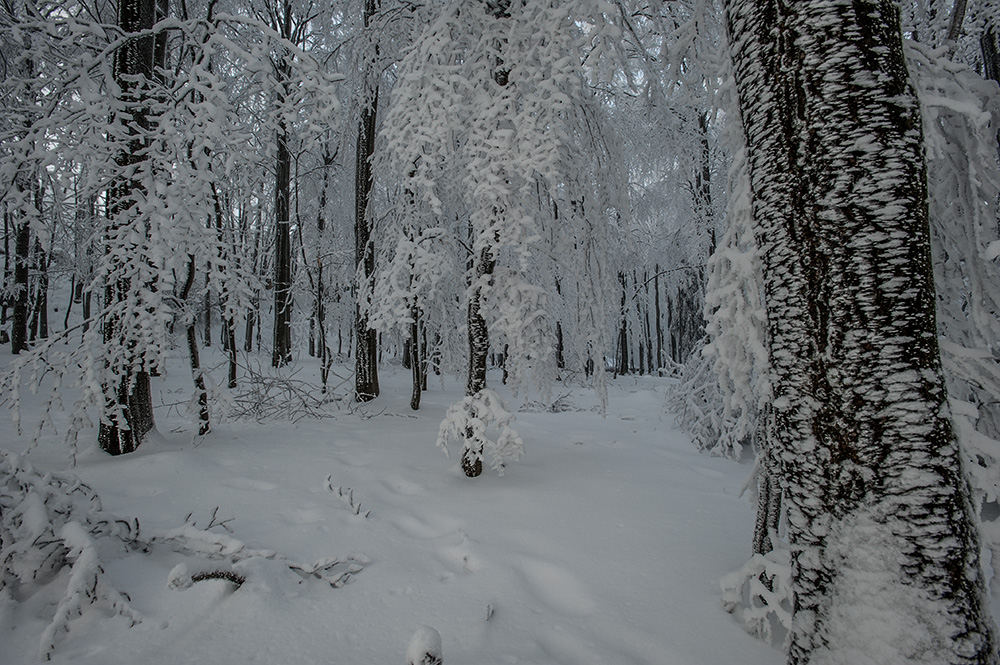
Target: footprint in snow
(460, 558)
(557, 587)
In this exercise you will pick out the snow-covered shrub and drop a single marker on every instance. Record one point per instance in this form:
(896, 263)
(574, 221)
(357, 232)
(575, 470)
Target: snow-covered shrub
(424, 647)
(761, 593)
(696, 401)
(52, 522)
(468, 421)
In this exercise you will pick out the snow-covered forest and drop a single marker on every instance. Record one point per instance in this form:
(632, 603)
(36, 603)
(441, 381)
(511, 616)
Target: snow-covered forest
(701, 299)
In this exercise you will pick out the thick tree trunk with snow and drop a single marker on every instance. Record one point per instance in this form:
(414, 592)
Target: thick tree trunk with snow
(282, 352)
(131, 408)
(885, 553)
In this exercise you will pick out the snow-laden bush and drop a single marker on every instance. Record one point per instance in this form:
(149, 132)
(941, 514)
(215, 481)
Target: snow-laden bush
(761, 594)
(468, 421)
(52, 522)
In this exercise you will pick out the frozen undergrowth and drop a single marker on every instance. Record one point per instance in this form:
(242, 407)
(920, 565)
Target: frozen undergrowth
(53, 530)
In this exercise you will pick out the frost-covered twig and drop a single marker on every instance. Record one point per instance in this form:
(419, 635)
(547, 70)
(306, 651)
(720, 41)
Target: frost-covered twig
(269, 396)
(232, 553)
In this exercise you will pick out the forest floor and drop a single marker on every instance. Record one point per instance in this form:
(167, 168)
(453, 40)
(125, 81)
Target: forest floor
(604, 544)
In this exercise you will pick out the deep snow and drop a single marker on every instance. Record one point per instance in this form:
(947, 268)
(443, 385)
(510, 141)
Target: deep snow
(603, 545)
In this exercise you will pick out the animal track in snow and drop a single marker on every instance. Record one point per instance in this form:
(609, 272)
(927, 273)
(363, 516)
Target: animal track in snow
(460, 557)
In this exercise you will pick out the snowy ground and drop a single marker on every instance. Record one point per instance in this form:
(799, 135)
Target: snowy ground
(603, 545)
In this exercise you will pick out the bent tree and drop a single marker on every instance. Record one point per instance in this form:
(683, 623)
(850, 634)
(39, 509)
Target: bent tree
(884, 548)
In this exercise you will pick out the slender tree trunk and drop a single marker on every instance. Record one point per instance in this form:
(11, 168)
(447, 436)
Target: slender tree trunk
(424, 359)
(22, 261)
(479, 334)
(649, 329)
(768, 486)
(479, 348)
(415, 359)
(880, 523)
(197, 373)
(8, 279)
(38, 328)
(282, 354)
(207, 312)
(69, 301)
(659, 322)
(84, 286)
(366, 385)
(623, 364)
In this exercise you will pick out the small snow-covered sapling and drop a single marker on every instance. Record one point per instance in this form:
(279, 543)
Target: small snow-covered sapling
(425, 647)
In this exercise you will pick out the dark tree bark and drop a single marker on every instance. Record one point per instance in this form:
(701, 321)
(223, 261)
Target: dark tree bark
(282, 353)
(292, 28)
(768, 487)
(8, 280)
(197, 373)
(659, 316)
(479, 333)
(207, 313)
(20, 295)
(879, 518)
(415, 365)
(989, 44)
(623, 360)
(130, 412)
(38, 328)
(366, 386)
(318, 342)
(649, 329)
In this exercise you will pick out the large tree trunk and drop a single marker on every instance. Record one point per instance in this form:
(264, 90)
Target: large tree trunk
(130, 410)
(282, 353)
(282, 20)
(880, 524)
(989, 43)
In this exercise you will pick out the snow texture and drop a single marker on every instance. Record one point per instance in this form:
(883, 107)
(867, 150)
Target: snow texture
(604, 544)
